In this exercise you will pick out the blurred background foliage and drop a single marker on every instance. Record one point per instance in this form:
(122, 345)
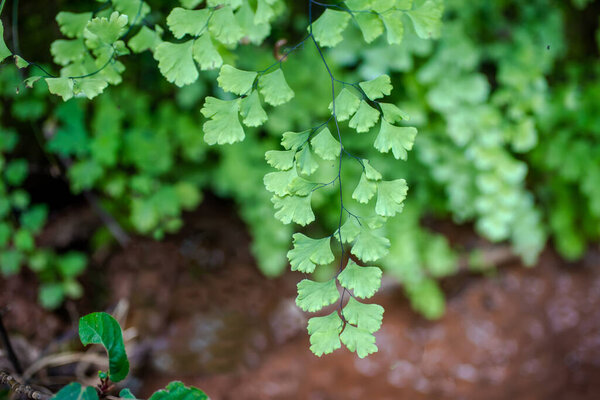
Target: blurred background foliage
(506, 103)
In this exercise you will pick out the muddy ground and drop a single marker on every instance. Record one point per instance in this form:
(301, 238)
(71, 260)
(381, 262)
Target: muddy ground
(199, 311)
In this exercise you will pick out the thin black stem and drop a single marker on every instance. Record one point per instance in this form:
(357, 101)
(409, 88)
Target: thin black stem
(10, 352)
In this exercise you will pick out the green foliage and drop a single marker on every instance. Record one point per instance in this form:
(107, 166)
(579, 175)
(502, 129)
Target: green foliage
(177, 390)
(74, 391)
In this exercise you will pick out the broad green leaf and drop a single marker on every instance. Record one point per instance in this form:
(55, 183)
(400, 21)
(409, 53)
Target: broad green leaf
(178, 391)
(325, 333)
(255, 32)
(252, 111)
(365, 190)
(346, 104)
(20, 62)
(176, 63)
(235, 80)
(66, 51)
(187, 22)
(325, 145)
(301, 187)
(427, 19)
(74, 391)
(293, 140)
(224, 26)
(308, 252)
(393, 24)
(294, 209)
(364, 316)
(90, 86)
(135, 10)
(280, 159)
(277, 182)
(365, 118)
(327, 29)
(390, 197)
(274, 88)
(364, 281)
(371, 172)
(126, 394)
(34, 218)
(399, 139)
(358, 340)
(370, 246)
(349, 230)
(145, 39)
(102, 31)
(392, 113)
(313, 296)
(51, 295)
(370, 26)
(4, 51)
(205, 53)
(16, 171)
(102, 328)
(62, 87)
(188, 195)
(306, 162)
(264, 12)
(71, 264)
(378, 87)
(72, 24)
(23, 241)
(29, 82)
(224, 124)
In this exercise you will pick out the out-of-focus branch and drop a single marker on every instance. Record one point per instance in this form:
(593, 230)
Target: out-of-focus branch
(19, 388)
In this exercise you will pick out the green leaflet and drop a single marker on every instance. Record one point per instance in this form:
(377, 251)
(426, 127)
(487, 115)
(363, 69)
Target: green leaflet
(294, 209)
(280, 159)
(346, 104)
(365, 190)
(301, 187)
(308, 252)
(399, 139)
(105, 30)
(176, 63)
(305, 161)
(369, 246)
(178, 391)
(252, 111)
(358, 340)
(224, 26)
(90, 87)
(370, 26)
(371, 172)
(224, 126)
(66, 51)
(274, 88)
(393, 25)
(365, 118)
(135, 10)
(72, 24)
(205, 53)
(313, 296)
(277, 182)
(325, 333)
(126, 394)
(349, 230)
(325, 145)
(235, 80)
(256, 32)
(74, 391)
(363, 281)
(427, 19)
(390, 197)
(20, 62)
(327, 29)
(145, 39)
(187, 22)
(364, 316)
(378, 87)
(62, 87)
(101, 328)
(392, 114)
(293, 140)
(264, 12)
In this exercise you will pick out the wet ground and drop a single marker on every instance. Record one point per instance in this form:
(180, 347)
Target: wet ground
(204, 314)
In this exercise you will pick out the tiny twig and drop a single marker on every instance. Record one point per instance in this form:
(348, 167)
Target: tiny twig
(19, 388)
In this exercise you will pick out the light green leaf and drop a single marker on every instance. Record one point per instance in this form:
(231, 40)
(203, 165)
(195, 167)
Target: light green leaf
(175, 62)
(74, 391)
(126, 394)
(205, 53)
(365, 190)
(62, 87)
(71, 264)
(365, 118)
(427, 19)
(187, 22)
(188, 195)
(370, 246)
(224, 26)
(67, 51)
(325, 333)
(365, 316)
(23, 240)
(102, 328)
(364, 281)
(306, 162)
(293, 140)
(72, 24)
(399, 139)
(90, 87)
(346, 104)
(235, 80)
(313, 296)
(294, 209)
(371, 172)
(325, 145)
(307, 253)
(264, 12)
(392, 113)
(4, 51)
(178, 391)
(358, 340)
(282, 160)
(224, 125)
(254, 31)
(390, 195)
(370, 26)
(378, 87)
(301, 187)
(145, 39)
(135, 10)
(274, 88)
(277, 182)
(20, 62)
(349, 230)
(394, 26)
(252, 111)
(327, 29)
(105, 30)
(29, 82)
